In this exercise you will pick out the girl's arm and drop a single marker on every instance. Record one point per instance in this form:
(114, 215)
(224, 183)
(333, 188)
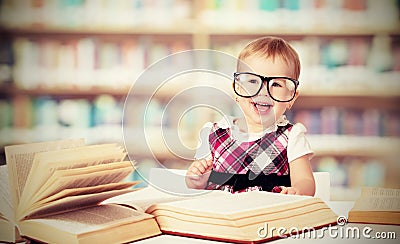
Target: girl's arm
(301, 177)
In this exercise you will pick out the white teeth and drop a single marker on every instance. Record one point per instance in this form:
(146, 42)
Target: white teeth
(262, 104)
(263, 107)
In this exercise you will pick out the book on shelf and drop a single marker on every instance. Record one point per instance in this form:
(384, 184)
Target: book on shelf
(53, 192)
(248, 217)
(376, 205)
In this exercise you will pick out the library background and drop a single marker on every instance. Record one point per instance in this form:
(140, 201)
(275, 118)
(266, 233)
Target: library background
(66, 67)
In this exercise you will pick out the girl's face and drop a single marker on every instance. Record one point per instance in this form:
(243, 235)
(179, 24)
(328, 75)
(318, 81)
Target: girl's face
(261, 111)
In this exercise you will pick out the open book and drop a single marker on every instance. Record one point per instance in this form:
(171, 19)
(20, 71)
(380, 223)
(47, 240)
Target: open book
(248, 217)
(376, 206)
(55, 190)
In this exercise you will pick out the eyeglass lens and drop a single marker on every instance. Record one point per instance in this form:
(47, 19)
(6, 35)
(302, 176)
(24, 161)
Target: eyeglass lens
(280, 89)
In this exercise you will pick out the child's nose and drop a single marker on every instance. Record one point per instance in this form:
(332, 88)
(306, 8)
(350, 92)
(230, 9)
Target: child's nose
(264, 90)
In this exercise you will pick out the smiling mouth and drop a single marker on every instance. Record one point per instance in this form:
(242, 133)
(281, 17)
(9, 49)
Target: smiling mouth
(262, 107)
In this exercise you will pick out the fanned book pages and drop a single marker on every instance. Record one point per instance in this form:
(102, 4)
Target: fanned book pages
(377, 206)
(55, 189)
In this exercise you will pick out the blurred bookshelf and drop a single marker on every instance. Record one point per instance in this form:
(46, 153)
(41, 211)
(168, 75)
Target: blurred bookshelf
(66, 68)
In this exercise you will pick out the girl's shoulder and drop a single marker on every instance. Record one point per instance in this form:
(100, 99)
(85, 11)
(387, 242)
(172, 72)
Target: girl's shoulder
(291, 130)
(297, 132)
(298, 128)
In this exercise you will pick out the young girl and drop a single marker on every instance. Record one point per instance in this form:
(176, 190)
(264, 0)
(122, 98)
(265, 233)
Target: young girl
(261, 150)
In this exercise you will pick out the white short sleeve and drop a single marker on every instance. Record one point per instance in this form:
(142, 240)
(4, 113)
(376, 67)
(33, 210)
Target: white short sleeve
(298, 144)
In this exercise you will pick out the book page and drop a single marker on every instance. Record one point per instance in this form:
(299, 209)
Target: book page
(78, 192)
(88, 190)
(19, 161)
(143, 198)
(232, 204)
(6, 208)
(101, 177)
(45, 163)
(72, 203)
(377, 204)
(93, 218)
(380, 192)
(83, 177)
(7, 231)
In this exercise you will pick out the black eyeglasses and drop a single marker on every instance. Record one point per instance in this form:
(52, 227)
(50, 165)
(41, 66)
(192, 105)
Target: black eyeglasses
(280, 89)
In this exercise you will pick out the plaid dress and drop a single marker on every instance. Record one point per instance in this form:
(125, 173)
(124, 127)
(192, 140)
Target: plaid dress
(244, 166)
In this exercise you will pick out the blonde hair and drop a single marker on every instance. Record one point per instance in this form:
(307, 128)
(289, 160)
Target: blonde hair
(272, 47)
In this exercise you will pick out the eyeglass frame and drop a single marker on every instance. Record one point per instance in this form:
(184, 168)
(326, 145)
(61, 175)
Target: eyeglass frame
(263, 80)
